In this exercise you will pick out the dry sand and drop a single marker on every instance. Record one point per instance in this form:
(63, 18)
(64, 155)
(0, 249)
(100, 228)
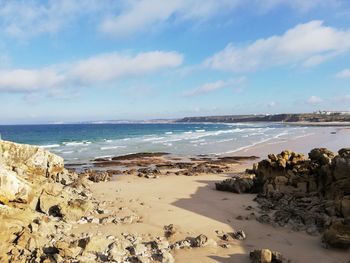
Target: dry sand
(193, 205)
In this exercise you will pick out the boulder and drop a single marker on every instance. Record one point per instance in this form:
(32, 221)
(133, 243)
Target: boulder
(200, 241)
(321, 155)
(236, 185)
(266, 256)
(30, 160)
(338, 234)
(344, 153)
(13, 187)
(261, 256)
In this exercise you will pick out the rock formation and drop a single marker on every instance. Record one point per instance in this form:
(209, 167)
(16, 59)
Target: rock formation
(41, 203)
(311, 194)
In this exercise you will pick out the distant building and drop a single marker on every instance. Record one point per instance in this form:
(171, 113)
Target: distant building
(325, 112)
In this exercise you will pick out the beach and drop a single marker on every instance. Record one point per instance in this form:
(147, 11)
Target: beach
(161, 207)
(193, 205)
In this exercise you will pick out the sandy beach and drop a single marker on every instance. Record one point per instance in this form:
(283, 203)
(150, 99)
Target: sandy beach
(159, 207)
(193, 205)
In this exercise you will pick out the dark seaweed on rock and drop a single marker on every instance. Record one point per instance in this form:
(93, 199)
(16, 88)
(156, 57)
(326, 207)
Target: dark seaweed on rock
(139, 155)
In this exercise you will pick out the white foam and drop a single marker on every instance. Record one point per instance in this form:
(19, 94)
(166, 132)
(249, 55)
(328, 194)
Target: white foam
(304, 135)
(67, 152)
(153, 139)
(50, 146)
(111, 147)
(76, 143)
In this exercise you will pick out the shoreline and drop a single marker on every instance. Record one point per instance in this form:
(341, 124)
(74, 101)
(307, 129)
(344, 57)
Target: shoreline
(132, 201)
(192, 204)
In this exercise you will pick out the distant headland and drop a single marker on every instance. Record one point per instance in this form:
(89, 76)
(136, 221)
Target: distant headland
(315, 117)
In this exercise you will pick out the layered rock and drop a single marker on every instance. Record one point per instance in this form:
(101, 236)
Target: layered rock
(38, 199)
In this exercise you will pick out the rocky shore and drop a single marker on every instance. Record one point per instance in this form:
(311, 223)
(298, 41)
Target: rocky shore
(50, 213)
(308, 194)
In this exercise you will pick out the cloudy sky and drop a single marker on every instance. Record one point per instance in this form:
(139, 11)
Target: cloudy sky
(79, 60)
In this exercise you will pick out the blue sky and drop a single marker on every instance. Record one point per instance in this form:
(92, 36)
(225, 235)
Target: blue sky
(79, 60)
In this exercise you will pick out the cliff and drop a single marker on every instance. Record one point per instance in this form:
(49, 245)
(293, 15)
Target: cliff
(298, 117)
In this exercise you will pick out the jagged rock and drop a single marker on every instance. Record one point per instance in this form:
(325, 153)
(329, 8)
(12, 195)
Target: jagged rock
(30, 160)
(42, 193)
(303, 193)
(236, 185)
(49, 204)
(321, 155)
(13, 187)
(338, 234)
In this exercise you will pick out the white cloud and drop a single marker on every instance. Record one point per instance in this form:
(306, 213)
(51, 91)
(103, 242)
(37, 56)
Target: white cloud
(27, 18)
(343, 74)
(110, 66)
(299, 5)
(306, 44)
(217, 85)
(29, 80)
(94, 70)
(144, 14)
(314, 100)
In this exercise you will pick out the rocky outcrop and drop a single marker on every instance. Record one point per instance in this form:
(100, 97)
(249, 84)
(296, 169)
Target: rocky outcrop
(38, 200)
(244, 184)
(310, 194)
(21, 166)
(42, 203)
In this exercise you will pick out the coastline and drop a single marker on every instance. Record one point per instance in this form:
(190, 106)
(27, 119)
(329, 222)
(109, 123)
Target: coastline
(194, 207)
(132, 201)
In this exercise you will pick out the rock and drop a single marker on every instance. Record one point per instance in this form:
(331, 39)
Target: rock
(277, 257)
(181, 244)
(170, 230)
(95, 244)
(31, 160)
(117, 251)
(261, 256)
(321, 155)
(236, 185)
(240, 235)
(76, 209)
(338, 234)
(138, 250)
(167, 257)
(344, 153)
(200, 241)
(49, 205)
(345, 207)
(13, 187)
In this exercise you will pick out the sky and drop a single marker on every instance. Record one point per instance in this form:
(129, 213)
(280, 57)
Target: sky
(88, 60)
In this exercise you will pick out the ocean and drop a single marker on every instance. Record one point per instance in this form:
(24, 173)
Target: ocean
(84, 142)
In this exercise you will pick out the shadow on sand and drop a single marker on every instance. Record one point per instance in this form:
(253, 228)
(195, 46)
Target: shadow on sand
(223, 207)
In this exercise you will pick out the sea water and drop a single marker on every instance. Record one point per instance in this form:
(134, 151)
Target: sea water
(84, 142)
